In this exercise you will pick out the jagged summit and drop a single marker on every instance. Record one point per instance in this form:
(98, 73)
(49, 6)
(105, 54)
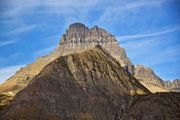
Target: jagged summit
(149, 79)
(79, 33)
(173, 85)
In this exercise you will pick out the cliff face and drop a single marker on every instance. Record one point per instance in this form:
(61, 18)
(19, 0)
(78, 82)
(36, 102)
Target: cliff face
(173, 86)
(77, 38)
(149, 79)
(88, 85)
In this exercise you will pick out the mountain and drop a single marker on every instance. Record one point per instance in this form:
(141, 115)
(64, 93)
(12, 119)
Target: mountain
(80, 86)
(88, 77)
(172, 85)
(149, 79)
(77, 38)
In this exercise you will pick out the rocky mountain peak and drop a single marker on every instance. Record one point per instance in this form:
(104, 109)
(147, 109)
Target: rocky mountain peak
(145, 71)
(173, 85)
(79, 33)
(76, 31)
(149, 79)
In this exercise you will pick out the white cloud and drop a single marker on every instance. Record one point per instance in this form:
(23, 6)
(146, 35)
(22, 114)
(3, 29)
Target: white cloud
(7, 72)
(4, 43)
(169, 54)
(22, 29)
(139, 36)
(46, 50)
(152, 52)
(22, 7)
(116, 12)
(153, 48)
(143, 43)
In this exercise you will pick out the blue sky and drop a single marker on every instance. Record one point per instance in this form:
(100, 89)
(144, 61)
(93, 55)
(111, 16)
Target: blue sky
(149, 30)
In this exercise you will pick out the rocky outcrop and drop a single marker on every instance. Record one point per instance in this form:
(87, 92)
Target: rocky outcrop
(173, 86)
(149, 79)
(84, 86)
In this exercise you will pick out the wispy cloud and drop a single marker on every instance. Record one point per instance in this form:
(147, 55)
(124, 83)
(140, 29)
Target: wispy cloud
(4, 43)
(152, 52)
(22, 29)
(45, 51)
(153, 48)
(139, 36)
(21, 7)
(7, 72)
(169, 54)
(144, 43)
(114, 12)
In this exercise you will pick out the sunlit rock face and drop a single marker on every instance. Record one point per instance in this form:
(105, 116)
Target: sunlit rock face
(77, 38)
(90, 85)
(149, 79)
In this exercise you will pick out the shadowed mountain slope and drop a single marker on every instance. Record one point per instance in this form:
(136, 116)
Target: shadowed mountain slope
(158, 106)
(85, 86)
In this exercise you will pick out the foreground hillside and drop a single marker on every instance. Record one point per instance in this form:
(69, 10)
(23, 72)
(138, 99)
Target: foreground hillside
(158, 106)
